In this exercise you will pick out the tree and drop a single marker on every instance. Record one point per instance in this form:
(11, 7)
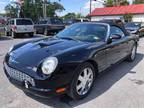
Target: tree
(53, 8)
(79, 15)
(138, 1)
(31, 9)
(127, 17)
(34, 9)
(111, 3)
(69, 16)
(72, 16)
(11, 11)
(124, 2)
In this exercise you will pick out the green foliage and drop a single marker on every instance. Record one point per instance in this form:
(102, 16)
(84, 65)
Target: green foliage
(111, 3)
(124, 2)
(11, 11)
(127, 17)
(34, 10)
(54, 7)
(138, 1)
(72, 16)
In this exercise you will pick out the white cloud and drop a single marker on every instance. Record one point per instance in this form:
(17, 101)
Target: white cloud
(95, 4)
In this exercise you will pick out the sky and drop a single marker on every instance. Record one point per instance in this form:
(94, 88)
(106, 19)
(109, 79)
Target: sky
(78, 6)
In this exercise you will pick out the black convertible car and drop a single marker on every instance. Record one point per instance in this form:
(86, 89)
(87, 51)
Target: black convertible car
(69, 62)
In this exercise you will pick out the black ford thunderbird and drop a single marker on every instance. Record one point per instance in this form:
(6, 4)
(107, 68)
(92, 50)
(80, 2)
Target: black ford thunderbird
(69, 62)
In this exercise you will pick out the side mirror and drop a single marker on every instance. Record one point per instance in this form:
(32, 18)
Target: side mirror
(113, 37)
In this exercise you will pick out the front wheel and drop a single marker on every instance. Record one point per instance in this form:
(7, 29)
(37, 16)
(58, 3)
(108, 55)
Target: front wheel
(132, 56)
(82, 81)
(13, 34)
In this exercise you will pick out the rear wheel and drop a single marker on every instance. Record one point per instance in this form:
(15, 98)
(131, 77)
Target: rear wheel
(31, 34)
(82, 82)
(132, 56)
(13, 34)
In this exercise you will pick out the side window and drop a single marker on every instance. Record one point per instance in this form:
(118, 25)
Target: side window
(116, 30)
(48, 22)
(12, 22)
(8, 23)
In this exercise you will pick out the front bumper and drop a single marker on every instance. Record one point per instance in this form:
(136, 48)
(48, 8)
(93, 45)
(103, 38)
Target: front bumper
(35, 89)
(46, 93)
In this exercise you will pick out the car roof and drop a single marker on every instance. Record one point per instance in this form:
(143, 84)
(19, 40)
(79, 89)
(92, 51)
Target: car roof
(20, 18)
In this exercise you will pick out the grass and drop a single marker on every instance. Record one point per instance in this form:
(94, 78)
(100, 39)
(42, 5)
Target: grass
(2, 30)
(1, 34)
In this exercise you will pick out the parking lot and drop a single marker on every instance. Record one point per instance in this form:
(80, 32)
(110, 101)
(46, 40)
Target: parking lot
(120, 87)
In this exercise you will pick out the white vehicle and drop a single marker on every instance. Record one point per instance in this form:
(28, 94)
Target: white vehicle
(17, 26)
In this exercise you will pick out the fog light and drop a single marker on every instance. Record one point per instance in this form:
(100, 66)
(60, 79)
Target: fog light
(27, 84)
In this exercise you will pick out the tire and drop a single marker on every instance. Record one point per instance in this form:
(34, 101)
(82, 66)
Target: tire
(132, 56)
(79, 89)
(45, 32)
(13, 34)
(6, 33)
(31, 34)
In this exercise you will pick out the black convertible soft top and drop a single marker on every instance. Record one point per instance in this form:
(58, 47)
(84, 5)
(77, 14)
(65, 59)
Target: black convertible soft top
(117, 23)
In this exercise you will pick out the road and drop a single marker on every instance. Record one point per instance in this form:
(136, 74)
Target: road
(120, 87)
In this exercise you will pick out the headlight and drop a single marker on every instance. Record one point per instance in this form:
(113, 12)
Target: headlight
(49, 65)
(11, 48)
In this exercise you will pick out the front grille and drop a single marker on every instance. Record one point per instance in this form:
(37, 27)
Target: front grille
(19, 76)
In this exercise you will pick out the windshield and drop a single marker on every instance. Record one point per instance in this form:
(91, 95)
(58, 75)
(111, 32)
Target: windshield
(23, 22)
(42, 22)
(135, 25)
(85, 32)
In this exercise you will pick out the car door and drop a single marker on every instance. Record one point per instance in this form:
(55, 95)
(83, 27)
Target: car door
(115, 51)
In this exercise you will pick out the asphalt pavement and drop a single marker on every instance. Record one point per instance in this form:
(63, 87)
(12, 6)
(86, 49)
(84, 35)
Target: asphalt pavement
(120, 87)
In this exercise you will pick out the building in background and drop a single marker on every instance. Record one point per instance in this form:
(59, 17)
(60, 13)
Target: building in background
(118, 12)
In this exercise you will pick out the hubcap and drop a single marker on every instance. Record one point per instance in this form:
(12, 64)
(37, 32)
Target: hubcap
(85, 81)
(133, 53)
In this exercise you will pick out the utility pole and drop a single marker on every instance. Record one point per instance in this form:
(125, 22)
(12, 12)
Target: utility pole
(44, 8)
(102, 1)
(90, 6)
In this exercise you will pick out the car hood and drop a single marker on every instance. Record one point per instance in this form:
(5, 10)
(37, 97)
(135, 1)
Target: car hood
(31, 54)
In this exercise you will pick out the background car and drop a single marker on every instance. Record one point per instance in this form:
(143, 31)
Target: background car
(135, 28)
(69, 62)
(49, 26)
(17, 26)
(72, 21)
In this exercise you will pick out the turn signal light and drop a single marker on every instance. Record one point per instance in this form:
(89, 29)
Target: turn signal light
(60, 90)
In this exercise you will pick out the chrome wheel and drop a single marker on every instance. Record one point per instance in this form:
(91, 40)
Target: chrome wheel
(133, 54)
(84, 81)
